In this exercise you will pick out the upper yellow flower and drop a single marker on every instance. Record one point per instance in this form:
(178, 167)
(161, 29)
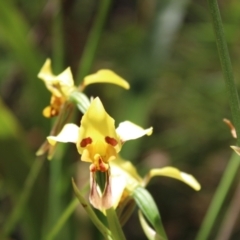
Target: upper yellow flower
(59, 85)
(97, 139)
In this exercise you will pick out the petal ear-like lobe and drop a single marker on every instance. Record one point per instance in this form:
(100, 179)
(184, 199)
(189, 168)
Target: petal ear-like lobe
(105, 76)
(175, 173)
(129, 131)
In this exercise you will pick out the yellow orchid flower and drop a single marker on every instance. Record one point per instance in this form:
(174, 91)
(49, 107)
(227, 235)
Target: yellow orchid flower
(97, 139)
(99, 143)
(59, 85)
(62, 85)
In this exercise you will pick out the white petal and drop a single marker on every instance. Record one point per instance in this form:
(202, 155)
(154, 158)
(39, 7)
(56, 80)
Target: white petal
(129, 131)
(118, 186)
(69, 133)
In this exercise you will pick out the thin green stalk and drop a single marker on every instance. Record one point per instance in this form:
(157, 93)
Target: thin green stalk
(93, 40)
(226, 65)
(55, 200)
(219, 197)
(16, 214)
(65, 216)
(57, 41)
(234, 162)
(226, 227)
(62, 219)
(114, 225)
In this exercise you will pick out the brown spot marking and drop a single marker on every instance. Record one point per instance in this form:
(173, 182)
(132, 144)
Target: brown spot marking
(111, 141)
(85, 142)
(102, 165)
(54, 112)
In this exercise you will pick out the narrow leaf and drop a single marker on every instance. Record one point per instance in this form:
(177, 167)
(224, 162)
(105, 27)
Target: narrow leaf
(148, 207)
(149, 232)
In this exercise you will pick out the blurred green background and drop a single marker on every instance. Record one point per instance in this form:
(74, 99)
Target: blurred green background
(167, 51)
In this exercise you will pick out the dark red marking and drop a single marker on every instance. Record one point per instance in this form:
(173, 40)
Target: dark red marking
(85, 142)
(111, 141)
(92, 168)
(102, 166)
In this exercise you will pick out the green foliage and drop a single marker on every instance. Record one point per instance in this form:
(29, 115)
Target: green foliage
(167, 51)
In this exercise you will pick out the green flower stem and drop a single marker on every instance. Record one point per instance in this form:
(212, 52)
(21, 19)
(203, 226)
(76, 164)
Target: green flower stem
(226, 227)
(226, 65)
(16, 214)
(114, 225)
(63, 218)
(92, 41)
(219, 197)
(54, 201)
(234, 162)
(57, 32)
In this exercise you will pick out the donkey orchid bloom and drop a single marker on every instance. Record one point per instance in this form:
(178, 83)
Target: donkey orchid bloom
(97, 139)
(99, 143)
(59, 85)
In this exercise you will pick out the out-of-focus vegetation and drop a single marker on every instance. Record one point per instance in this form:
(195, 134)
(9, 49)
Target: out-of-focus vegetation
(167, 52)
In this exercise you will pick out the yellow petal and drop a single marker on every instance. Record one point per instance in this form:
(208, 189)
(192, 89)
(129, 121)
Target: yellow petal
(46, 71)
(175, 173)
(105, 76)
(69, 133)
(48, 77)
(236, 149)
(128, 131)
(66, 81)
(56, 84)
(47, 112)
(99, 127)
